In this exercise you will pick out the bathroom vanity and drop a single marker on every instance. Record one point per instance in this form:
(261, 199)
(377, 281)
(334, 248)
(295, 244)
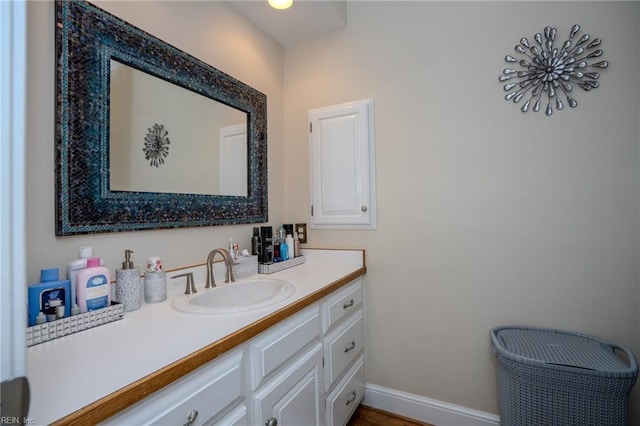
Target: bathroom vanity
(300, 360)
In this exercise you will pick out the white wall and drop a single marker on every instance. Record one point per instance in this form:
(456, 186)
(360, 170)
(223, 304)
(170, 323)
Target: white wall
(211, 31)
(486, 216)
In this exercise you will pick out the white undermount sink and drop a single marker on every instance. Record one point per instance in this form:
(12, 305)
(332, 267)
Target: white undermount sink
(235, 297)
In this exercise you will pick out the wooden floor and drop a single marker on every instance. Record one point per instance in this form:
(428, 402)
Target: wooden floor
(368, 416)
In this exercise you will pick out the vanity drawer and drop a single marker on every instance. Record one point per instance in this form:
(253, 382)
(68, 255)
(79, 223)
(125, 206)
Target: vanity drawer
(208, 391)
(276, 346)
(341, 304)
(342, 402)
(342, 346)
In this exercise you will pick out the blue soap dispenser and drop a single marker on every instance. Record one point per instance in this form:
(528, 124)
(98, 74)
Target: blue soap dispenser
(51, 296)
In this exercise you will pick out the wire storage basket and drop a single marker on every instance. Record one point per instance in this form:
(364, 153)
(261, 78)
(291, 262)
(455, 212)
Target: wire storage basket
(555, 377)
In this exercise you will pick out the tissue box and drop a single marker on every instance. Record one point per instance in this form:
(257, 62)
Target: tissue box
(245, 266)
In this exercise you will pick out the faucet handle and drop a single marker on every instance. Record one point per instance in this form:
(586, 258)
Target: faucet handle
(191, 287)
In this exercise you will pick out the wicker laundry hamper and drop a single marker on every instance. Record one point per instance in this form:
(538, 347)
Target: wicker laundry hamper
(553, 378)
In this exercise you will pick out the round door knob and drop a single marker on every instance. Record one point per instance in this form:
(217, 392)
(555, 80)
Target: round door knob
(271, 422)
(363, 208)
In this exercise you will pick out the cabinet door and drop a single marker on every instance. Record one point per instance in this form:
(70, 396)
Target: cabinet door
(294, 397)
(342, 166)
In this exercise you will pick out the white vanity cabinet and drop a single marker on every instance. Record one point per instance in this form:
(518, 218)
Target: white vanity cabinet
(308, 369)
(212, 394)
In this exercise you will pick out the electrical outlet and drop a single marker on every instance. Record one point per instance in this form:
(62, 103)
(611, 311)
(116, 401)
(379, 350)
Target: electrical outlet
(301, 229)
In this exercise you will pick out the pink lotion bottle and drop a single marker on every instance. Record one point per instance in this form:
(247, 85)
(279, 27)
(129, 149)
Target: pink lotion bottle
(93, 286)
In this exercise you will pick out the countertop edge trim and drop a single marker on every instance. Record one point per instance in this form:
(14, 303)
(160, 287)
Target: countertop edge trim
(119, 400)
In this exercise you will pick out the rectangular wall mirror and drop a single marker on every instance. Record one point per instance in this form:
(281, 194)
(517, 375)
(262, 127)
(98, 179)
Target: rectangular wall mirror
(147, 136)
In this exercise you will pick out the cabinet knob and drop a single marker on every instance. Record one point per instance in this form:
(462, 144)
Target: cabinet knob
(363, 208)
(351, 398)
(271, 422)
(191, 417)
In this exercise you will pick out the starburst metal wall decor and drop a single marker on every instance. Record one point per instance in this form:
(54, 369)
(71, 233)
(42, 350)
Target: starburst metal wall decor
(156, 145)
(552, 72)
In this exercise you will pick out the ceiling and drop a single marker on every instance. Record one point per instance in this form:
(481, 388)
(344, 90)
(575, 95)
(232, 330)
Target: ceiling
(305, 19)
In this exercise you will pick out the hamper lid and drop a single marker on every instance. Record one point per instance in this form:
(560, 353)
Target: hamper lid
(560, 348)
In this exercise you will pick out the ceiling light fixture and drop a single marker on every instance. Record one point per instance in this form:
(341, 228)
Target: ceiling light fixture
(280, 4)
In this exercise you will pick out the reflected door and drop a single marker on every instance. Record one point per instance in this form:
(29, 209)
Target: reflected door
(233, 160)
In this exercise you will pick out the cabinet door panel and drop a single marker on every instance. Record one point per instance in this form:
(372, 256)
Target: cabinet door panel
(342, 166)
(294, 396)
(294, 407)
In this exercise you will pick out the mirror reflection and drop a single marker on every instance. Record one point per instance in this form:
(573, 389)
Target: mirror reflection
(165, 138)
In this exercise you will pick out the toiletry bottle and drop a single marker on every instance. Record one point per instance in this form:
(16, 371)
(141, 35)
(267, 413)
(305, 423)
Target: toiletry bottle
(49, 296)
(94, 286)
(128, 284)
(288, 228)
(278, 245)
(296, 245)
(155, 281)
(266, 234)
(256, 244)
(289, 241)
(284, 250)
(276, 248)
(74, 266)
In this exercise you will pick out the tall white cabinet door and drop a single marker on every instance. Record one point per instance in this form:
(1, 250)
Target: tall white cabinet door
(343, 166)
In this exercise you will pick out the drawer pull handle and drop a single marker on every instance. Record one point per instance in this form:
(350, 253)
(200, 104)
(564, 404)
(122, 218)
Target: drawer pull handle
(350, 347)
(191, 417)
(348, 304)
(351, 398)
(271, 422)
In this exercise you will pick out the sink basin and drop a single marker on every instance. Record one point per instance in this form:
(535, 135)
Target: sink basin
(235, 297)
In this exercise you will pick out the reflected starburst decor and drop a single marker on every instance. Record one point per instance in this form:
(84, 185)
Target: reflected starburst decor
(156, 145)
(552, 72)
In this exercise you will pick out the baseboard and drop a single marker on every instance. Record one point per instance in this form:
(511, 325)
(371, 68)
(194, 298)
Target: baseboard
(425, 409)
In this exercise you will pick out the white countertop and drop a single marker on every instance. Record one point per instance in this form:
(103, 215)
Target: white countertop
(71, 372)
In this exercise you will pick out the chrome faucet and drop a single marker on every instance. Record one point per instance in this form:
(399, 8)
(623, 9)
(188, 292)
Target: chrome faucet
(228, 260)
